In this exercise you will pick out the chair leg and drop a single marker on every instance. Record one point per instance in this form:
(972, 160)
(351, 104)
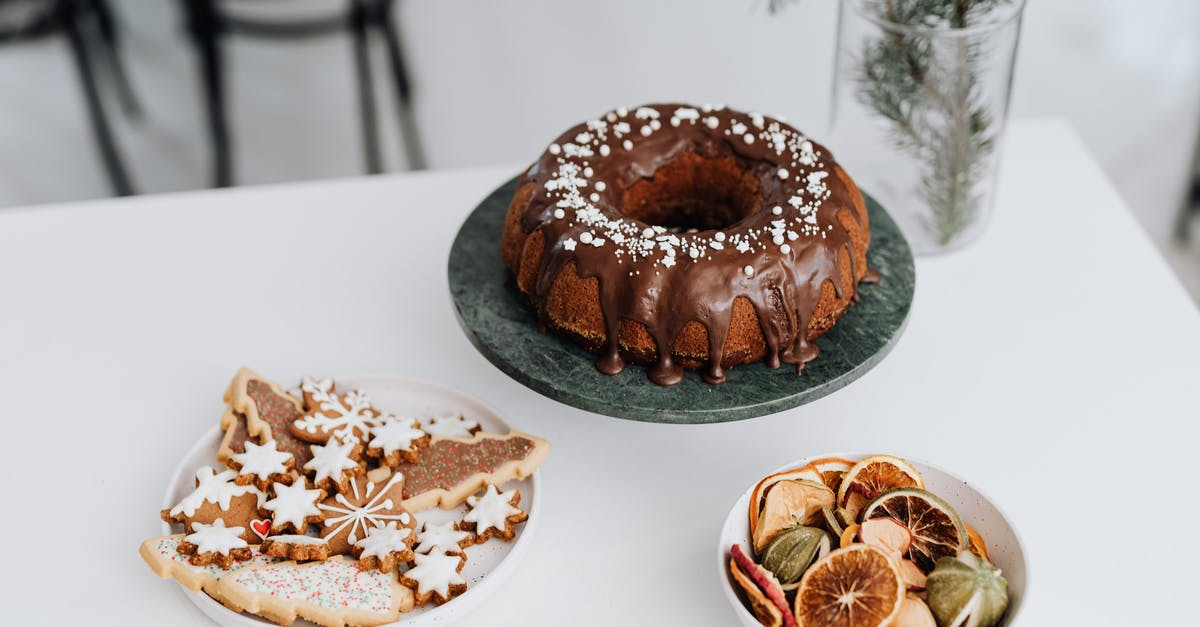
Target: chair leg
(111, 52)
(205, 35)
(366, 94)
(100, 127)
(413, 148)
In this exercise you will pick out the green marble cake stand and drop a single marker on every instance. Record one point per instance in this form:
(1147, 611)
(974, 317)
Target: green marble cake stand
(503, 326)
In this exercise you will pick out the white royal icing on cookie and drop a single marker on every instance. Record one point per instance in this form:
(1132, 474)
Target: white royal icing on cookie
(330, 460)
(296, 539)
(343, 417)
(453, 426)
(333, 584)
(383, 540)
(213, 487)
(360, 519)
(293, 504)
(216, 538)
(395, 434)
(443, 538)
(262, 460)
(316, 387)
(435, 573)
(491, 510)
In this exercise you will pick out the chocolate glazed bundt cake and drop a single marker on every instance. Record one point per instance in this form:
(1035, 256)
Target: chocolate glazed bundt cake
(688, 237)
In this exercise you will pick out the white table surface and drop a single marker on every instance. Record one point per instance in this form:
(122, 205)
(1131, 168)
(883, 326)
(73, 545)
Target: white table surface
(1055, 364)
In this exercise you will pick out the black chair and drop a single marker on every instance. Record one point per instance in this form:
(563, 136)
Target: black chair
(209, 21)
(91, 32)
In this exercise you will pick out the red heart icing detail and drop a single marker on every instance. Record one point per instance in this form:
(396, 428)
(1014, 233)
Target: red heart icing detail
(261, 527)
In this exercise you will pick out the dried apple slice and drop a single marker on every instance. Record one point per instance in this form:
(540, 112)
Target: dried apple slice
(896, 540)
(914, 613)
(790, 503)
(759, 493)
(762, 590)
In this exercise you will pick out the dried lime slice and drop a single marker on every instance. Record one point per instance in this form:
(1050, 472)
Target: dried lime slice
(967, 590)
(936, 528)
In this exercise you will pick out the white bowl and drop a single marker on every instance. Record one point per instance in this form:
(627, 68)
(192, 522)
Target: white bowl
(1003, 543)
(488, 564)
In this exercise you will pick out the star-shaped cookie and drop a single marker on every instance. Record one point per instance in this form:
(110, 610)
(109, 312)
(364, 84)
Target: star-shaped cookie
(493, 514)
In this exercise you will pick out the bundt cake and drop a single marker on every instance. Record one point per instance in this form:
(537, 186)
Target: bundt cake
(687, 237)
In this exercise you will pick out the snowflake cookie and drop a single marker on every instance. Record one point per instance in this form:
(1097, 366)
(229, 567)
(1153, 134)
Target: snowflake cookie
(217, 496)
(296, 547)
(385, 547)
(294, 507)
(493, 514)
(349, 515)
(444, 538)
(348, 417)
(215, 543)
(435, 577)
(262, 465)
(396, 441)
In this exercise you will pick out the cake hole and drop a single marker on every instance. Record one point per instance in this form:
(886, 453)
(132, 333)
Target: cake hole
(693, 193)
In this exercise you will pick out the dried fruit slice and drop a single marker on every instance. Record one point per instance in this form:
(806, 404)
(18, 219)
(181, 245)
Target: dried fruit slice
(873, 476)
(895, 539)
(831, 469)
(762, 590)
(832, 524)
(759, 493)
(849, 536)
(976, 544)
(790, 503)
(967, 591)
(788, 555)
(858, 586)
(914, 613)
(936, 528)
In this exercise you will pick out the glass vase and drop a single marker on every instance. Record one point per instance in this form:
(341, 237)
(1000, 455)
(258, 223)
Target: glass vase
(920, 98)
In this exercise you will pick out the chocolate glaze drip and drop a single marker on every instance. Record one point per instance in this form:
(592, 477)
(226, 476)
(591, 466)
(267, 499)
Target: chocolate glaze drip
(784, 288)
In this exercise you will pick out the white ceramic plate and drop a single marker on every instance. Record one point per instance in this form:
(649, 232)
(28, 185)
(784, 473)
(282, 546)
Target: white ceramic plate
(1003, 544)
(487, 564)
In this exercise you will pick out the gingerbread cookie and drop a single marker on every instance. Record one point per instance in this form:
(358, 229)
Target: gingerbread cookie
(384, 548)
(366, 504)
(435, 577)
(493, 514)
(311, 389)
(215, 544)
(217, 496)
(259, 408)
(333, 593)
(296, 547)
(334, 464)
(445, 538)
(452, 469)
(397, 440)
(346, 417)
(262, 465)
(163, 557)
(293, 507)
(452, 426)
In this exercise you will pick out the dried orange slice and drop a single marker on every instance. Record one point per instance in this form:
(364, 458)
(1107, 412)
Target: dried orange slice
(936, 528)
(873, 476)
(831, 469)
(976, 544)
(790, 503)
(858, 586)
(759, 493)
(849, 535)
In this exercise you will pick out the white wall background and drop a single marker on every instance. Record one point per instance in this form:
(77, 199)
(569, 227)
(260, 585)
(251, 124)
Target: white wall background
(495, 80)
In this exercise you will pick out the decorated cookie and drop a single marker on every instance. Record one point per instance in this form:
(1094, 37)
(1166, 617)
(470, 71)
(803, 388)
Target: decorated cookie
(217, 496)
(435, 577)
(215, 544)
(333, 593)
(493, 514)
(163, 557)
(334, 464)
(312, 389)
(296, 547)
(366, 504)
(444, 538)
(384, 548)
(262, 465)
(258, 408)
(452, 469)
(397, 440)
(293, 507)
(348, 417)
(452, 426)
